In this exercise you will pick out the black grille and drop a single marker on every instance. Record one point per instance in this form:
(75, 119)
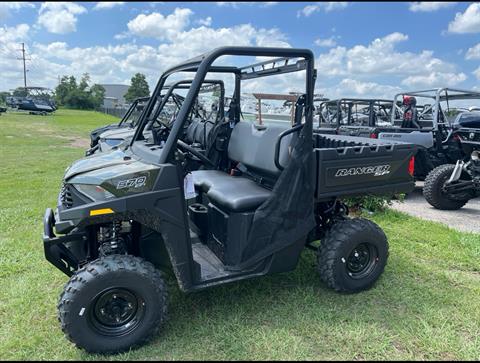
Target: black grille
(66, 196)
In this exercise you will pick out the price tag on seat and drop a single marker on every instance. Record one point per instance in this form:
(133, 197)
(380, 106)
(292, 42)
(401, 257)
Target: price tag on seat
(189, 187)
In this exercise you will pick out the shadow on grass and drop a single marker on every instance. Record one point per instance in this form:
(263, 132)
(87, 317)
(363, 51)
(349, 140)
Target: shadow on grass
(396, 318)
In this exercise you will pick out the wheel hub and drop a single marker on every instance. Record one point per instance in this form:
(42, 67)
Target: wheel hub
(362, 260)
(116, 311)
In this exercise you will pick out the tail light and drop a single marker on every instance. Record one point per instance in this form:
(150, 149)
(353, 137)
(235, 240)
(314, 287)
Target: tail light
(373, 136)
(411, 166)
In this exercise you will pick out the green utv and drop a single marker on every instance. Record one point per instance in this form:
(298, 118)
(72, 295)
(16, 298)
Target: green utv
(235, 201)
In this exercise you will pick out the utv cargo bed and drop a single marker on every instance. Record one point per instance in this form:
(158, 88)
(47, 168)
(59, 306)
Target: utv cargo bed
(348, 166)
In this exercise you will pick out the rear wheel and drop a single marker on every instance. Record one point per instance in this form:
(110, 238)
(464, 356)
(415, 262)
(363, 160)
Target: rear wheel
(433, 190)
(113, 304)
(353, 255)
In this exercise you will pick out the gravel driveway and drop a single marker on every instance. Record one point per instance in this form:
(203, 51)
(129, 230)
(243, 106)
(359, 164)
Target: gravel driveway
(465, 219)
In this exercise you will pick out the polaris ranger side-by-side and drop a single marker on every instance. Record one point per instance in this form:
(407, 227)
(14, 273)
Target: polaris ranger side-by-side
(262, 194)
(451, 186)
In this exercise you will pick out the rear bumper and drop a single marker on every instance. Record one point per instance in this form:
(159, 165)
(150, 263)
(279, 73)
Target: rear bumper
(56, 248)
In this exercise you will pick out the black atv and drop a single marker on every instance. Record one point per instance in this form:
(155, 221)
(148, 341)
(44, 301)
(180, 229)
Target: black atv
(450, 187)
(262, 195)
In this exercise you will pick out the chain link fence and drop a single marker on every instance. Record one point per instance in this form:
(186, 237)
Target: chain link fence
(114, 111)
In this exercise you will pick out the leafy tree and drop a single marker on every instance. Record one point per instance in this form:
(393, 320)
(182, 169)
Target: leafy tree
(138, 88)
(3, 97)
(70, 94)
(97, 93)
(20, 92)
(66, 86)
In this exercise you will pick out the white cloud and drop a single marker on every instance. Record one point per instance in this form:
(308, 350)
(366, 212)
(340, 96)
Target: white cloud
(435, 79)
(268, 4)
(428, 6)
(476, 72)
(467, 22)
(117, 63)
(103, 63)
(237, 4)
(327, 6)
(380, 58)
(101, 5)
(233, 4)
(207, 21)
(473, 52)
(60, 17)
(327, 42)
(122, 35)
(13, 34)
(158, 26)
(11, 68)
(7, 6)
(354, 88)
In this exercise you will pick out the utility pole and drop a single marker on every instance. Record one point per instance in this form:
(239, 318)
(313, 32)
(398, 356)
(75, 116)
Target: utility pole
(24, 65)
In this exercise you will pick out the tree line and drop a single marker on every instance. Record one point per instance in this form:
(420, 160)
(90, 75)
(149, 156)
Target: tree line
(83, 95)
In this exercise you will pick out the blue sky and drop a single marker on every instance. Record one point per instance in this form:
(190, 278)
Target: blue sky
(361, 49)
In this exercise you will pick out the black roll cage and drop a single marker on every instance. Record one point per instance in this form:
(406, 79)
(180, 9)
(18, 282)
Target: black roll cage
(132, 108)
(202, 65)
(185, 84)
(437, 95)
(370, 102)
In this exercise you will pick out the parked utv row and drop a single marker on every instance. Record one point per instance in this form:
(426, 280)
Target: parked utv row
(424, 118)
(214, 199)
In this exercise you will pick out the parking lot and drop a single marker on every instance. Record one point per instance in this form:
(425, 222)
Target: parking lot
(465, 219)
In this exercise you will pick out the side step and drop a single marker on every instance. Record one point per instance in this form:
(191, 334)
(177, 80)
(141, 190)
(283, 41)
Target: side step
(210, 266)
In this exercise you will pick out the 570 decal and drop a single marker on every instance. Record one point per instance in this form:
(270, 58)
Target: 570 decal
(378, 170)
(132, 183)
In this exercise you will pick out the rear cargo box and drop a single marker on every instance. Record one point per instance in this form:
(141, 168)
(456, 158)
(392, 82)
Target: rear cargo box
(348, 166)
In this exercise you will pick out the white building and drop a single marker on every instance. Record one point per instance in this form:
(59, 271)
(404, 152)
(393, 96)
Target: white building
(114, 95)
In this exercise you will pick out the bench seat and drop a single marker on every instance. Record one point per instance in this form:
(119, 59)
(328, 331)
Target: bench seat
(231, 193)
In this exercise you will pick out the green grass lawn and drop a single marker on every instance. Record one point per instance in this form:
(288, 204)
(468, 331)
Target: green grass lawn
(425, 306)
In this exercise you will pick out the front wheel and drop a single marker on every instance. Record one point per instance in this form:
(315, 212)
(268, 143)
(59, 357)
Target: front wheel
(353, 255)
(113, 304)
(433, 190)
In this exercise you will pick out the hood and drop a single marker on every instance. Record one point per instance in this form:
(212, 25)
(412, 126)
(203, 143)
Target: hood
(101, 129)
(119, 133)
(115, 171)
(96, 161)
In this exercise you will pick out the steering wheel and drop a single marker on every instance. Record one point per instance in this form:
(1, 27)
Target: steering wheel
(187, 148)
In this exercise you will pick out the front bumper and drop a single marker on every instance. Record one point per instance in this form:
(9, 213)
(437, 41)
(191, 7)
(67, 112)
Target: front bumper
(56, 248)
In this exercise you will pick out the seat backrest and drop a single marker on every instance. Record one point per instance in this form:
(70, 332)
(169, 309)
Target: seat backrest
(198, 132)
(254, 147)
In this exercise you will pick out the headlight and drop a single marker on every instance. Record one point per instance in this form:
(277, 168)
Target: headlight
(94, 192)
